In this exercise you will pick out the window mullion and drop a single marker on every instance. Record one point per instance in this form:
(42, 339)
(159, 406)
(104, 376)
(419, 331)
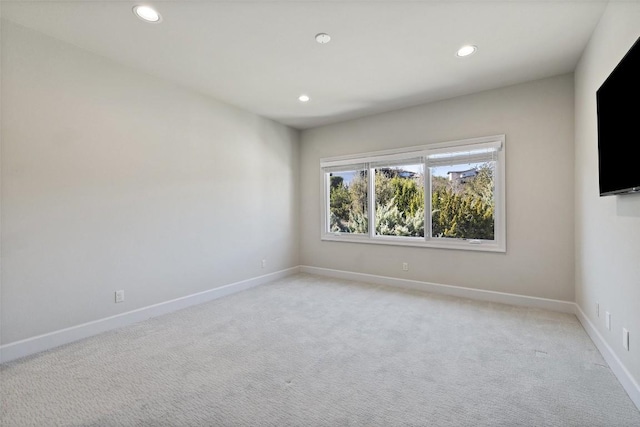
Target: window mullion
(371, 198)
(327, 202)
(427, 200)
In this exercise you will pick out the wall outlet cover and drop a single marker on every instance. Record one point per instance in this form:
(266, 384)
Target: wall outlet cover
(119, 296)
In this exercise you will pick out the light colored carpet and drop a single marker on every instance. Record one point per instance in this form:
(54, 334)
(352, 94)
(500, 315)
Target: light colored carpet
(311, 351)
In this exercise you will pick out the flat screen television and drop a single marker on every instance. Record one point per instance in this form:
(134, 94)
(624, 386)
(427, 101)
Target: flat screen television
(618, 103)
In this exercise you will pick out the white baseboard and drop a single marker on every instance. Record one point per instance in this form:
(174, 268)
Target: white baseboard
(619, 370)
(457, 291)
(26, 347)
(29, 346)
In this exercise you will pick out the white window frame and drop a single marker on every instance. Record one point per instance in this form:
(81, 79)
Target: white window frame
(493, 142)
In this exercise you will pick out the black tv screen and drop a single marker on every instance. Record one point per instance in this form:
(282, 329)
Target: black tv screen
(618, 102)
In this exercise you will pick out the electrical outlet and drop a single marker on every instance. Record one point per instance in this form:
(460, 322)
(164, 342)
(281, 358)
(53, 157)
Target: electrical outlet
(607, 318)
(625, 339)
(119, 296)
(405, 266)
(264, 263)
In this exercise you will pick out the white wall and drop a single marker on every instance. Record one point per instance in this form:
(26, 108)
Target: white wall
(114, 179)
(537, 119)
(607, 228)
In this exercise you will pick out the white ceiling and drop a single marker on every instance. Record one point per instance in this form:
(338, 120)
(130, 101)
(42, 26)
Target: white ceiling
(384, 55)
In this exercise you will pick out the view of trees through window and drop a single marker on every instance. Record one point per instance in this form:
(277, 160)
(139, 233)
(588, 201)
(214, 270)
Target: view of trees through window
(348, 204)
(400, 201)
(462, 201)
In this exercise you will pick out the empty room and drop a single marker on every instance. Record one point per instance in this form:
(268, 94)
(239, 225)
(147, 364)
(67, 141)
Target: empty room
(320, 213)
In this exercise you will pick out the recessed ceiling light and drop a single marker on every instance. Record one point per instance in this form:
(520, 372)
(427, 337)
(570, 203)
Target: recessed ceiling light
(304, 98)
(466, 50)
(323, 38)
(147, 13)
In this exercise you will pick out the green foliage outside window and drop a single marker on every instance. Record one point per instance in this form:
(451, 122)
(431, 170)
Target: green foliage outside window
(463, 210)
(399, 203)
(348, 204)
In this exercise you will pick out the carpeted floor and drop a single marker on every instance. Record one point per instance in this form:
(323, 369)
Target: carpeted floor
(312, 351)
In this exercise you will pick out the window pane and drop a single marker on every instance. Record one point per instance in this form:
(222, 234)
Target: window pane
(400, 200)
(462, 201)
(348, 208)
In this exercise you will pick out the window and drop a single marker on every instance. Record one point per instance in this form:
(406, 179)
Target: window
(399, 198)
(448, 195)
(348, 200)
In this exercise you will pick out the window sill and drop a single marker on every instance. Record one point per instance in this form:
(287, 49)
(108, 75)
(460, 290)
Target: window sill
(419, 242)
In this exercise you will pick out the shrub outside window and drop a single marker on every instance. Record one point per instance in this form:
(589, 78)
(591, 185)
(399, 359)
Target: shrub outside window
(399, 199)
(348, 200)
(448, 195)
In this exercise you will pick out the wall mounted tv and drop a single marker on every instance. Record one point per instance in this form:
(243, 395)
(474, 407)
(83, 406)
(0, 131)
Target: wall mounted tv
(618, 103)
